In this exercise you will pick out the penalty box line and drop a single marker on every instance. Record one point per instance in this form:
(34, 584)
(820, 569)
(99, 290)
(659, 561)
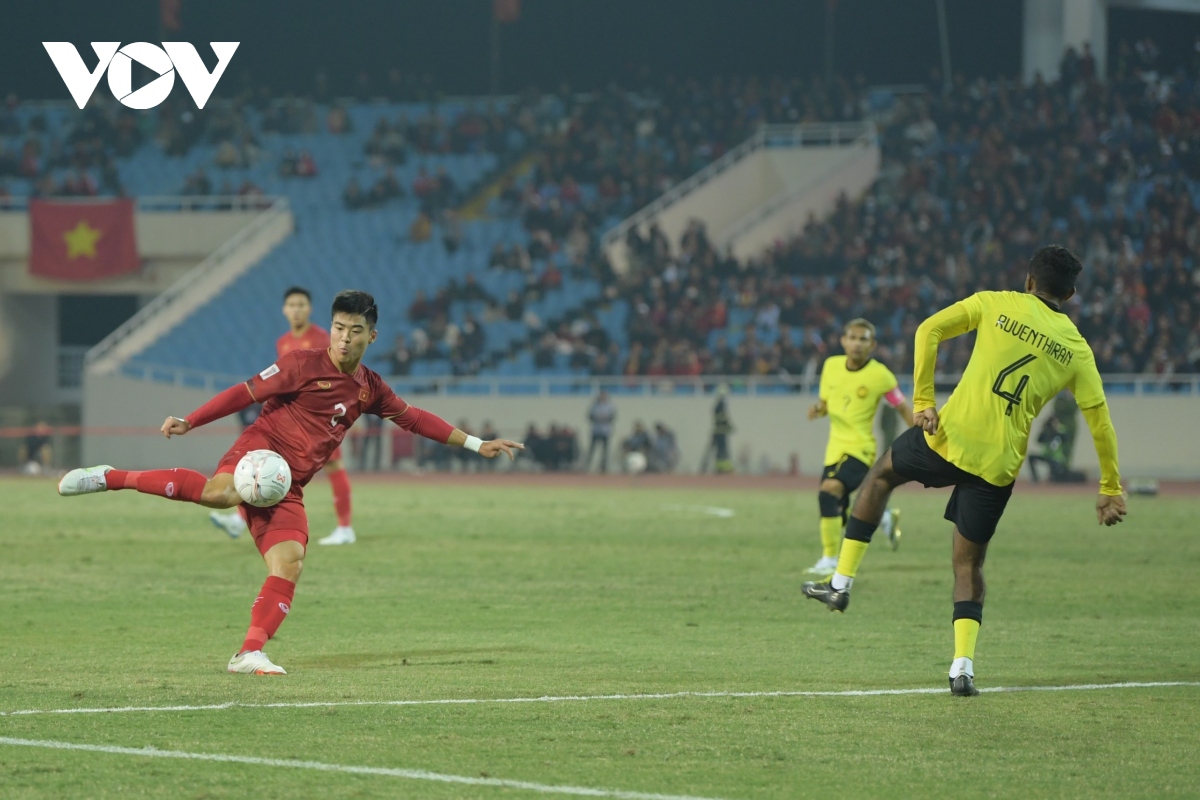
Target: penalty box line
(1077, 687)
(320, 766)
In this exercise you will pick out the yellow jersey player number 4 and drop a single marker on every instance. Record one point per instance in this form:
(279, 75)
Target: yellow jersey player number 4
(1027, 350)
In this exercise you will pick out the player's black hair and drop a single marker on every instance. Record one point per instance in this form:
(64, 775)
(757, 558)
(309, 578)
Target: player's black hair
(860, 323)
(1055, 269)
(358, 304)
(297, 290)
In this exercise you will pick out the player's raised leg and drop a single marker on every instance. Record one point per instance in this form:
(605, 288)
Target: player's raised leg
(285, 562)
(174, 484)
(969, 590)
(864, 519)
(339, 481)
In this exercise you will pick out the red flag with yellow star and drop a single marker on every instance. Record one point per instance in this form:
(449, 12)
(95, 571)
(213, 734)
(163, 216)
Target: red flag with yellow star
(82, 241)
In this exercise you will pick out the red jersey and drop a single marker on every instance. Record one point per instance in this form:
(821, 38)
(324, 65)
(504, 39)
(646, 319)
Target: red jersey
(314, 338)
(309, 405)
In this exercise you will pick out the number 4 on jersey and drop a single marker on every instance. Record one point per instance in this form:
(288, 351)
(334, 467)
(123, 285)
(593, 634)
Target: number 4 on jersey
(1013, 397)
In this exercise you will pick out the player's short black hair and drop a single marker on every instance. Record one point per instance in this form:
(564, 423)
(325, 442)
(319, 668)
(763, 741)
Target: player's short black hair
(297, 290)
(358, 304)
(860, 323)
(1055, 269)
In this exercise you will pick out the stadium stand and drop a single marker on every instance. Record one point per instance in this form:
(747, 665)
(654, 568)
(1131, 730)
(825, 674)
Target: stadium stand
(972, 181)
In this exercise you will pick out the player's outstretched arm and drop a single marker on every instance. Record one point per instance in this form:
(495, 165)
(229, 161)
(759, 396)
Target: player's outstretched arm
(1110, 505)
(230, 401)
(431, 426)
(489, 449)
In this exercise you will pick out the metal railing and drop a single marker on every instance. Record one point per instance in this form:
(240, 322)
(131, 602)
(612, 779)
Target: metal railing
(191, 278)
(819, 134)
(557, 385)
(207, 203)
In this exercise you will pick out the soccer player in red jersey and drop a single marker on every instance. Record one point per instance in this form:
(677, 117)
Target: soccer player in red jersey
(304, 335)
(310, 399)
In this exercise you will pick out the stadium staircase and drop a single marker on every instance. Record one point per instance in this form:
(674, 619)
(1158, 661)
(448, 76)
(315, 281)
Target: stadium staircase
(754, 191)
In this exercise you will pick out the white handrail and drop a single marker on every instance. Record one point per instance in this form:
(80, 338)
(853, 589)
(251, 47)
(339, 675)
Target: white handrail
(171, 294)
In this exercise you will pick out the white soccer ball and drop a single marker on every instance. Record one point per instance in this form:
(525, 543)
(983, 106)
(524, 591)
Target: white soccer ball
(635, 462)
(262, 478)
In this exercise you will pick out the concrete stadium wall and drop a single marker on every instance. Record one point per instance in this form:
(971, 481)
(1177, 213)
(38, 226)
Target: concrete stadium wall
(1158, 434)
(850, 173)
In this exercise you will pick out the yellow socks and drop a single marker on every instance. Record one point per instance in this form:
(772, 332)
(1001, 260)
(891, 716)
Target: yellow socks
(966, 631)
(967, 617)
(831, 535)
(848, 560)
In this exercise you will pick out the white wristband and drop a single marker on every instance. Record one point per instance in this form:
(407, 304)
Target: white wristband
(473, 443)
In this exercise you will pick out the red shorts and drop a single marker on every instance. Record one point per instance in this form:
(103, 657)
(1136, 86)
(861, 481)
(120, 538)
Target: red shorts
(283, 522)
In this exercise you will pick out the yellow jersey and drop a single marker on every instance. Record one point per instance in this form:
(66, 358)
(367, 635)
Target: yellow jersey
(852, 397)
(1026, 352)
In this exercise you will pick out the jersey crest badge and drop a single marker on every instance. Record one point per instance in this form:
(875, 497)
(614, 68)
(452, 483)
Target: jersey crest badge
(862, 391)
(323, 384)
(364, 395)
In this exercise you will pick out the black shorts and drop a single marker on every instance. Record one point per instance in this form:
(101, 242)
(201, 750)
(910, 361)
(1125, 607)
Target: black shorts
(975, 507)
(849, 470)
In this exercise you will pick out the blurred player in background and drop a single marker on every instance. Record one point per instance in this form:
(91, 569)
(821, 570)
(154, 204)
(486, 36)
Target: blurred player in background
(851, 388)
(304, 335)
(311, 399)
(1027, 351)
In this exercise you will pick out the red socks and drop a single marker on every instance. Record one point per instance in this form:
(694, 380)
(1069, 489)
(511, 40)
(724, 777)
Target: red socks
(340, 481)
(174, 484)
(270, 609)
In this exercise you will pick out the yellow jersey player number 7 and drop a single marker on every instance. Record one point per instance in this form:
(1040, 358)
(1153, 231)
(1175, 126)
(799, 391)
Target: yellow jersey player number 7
(852, 386)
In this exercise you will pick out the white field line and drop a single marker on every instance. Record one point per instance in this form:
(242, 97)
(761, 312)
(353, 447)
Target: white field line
(712, 511)
(592, 697)
(411, 774)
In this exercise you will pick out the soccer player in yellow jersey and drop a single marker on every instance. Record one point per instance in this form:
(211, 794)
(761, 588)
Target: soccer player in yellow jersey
(851, 388)
(1026, 351)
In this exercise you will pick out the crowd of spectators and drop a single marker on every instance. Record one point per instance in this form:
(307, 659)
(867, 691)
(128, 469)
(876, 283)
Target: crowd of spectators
(973, 182)
(81, 164)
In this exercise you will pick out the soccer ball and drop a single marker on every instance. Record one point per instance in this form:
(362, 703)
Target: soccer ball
(262, 478)
(635, 462)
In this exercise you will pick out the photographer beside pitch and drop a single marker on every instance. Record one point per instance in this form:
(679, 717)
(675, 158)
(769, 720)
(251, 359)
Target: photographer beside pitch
(310, 398)
(1027, 350)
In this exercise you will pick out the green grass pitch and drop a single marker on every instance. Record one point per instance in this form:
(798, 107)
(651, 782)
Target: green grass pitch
(512, 591)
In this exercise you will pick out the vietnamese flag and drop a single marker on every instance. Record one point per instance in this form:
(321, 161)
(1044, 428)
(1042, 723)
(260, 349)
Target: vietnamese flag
(82, 241)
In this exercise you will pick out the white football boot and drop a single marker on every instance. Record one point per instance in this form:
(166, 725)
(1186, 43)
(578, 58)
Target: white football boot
(890, 524)
(342, 534)
(85, 480)
(231, 522)
(254, 662)
(823, 568)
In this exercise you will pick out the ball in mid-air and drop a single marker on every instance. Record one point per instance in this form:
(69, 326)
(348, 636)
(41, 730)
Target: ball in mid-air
(635, 462)
(262, 478)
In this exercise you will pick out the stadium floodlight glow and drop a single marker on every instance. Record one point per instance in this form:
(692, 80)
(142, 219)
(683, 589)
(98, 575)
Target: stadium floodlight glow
(165, 61)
